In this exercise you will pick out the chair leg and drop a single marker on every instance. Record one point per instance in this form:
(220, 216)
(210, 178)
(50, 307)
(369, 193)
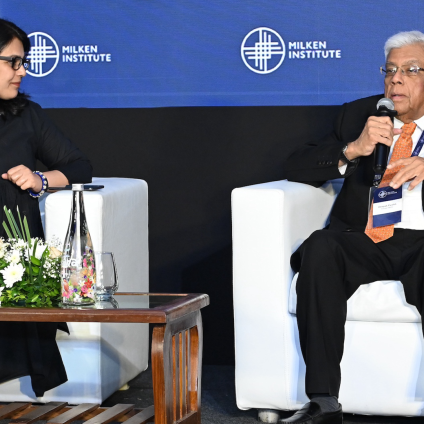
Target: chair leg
(268, 415)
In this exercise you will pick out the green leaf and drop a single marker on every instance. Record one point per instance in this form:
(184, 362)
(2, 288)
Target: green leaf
(35, 261)
(8, 214)
(7, 230)
(40, 275)
(29, 244)
(27, 231)
(15, 224)
(45, 253)
(20, 223)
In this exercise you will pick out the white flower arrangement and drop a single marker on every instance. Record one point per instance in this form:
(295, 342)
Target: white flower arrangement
(29, 267)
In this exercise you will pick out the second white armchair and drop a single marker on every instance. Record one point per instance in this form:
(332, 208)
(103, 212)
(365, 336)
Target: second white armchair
(383, 362)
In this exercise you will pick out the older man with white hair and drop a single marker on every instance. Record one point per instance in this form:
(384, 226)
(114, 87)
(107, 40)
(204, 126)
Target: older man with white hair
(376, 229)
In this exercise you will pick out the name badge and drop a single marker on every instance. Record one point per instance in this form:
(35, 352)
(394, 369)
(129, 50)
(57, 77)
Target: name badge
(387, 207)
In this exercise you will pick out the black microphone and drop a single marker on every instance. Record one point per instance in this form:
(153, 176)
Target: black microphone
(385, 107)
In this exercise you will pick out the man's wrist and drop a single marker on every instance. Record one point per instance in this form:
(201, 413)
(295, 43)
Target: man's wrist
(347, 156)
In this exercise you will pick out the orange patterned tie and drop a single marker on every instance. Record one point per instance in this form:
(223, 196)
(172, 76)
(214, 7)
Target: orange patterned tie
(402, 149)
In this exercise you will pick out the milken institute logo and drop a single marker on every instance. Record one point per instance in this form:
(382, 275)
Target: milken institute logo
(44, 54)
(263, 50)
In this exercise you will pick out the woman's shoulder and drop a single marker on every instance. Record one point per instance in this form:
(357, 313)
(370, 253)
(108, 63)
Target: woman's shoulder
(33, 106)
(34, 112)
(33, 117)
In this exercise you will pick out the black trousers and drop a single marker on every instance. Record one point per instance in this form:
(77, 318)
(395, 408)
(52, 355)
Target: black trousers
(30, 348)
(332, 265)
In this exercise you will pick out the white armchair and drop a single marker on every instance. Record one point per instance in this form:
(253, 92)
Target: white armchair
(383, 362)
(112, 353)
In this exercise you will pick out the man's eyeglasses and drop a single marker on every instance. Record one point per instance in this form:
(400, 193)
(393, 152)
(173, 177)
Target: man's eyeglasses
(16, 61)
(408, 70)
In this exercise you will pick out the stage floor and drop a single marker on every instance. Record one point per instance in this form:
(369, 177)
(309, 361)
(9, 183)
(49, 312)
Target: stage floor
(219, 402)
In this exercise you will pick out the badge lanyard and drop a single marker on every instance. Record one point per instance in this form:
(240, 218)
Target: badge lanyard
(378, 177)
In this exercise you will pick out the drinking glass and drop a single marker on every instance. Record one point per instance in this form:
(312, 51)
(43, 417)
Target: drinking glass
(106, 275)
(110, 303)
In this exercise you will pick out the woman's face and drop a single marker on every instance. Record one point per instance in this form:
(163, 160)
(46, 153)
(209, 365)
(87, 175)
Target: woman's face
(10, 80)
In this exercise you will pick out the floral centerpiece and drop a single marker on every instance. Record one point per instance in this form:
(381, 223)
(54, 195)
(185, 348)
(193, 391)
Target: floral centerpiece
(29, 267)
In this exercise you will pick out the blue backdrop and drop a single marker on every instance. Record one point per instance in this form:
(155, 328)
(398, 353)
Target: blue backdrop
(141, 53)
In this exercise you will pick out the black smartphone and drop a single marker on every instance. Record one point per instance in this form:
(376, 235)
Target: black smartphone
(87, 187)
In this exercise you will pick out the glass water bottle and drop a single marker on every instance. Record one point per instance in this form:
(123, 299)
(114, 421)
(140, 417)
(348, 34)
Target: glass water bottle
(78, 269)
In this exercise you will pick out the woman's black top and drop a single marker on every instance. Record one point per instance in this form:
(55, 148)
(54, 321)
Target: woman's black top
(23, 140)
(30, 348)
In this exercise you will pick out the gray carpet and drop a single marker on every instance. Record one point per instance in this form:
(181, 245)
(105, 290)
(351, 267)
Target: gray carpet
(219, 403)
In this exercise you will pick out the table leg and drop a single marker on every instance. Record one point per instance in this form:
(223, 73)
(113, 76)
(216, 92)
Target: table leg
(177, 370)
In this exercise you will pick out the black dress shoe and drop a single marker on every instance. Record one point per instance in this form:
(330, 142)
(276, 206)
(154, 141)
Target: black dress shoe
(311, 414)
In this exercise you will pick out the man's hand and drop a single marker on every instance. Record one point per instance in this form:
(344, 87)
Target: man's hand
(24, 178)
(413, 169)
(378, 129)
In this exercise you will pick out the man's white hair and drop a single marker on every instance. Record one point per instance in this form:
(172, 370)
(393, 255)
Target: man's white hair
(402, 39)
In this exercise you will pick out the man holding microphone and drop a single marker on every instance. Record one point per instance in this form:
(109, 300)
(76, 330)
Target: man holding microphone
(376, 229)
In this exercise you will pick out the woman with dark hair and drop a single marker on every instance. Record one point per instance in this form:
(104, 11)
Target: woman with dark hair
(27, 135)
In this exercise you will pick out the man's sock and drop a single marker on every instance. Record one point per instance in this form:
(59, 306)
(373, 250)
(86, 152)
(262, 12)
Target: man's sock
(325, 401)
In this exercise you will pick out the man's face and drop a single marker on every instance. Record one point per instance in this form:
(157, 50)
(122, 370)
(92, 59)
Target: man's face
(407, 92)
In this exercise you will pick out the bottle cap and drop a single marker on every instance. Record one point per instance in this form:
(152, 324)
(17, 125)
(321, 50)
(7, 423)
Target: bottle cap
(77, 187)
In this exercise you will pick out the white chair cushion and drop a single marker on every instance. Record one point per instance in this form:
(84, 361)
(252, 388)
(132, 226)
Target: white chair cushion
(380, 301)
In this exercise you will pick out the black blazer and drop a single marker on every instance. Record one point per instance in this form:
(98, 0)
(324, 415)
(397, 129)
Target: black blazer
(316, 163)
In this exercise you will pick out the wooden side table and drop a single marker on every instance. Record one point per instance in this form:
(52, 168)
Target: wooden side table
(177, 345)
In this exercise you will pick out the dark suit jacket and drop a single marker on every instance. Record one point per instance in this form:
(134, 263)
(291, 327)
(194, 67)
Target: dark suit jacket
(316, 163)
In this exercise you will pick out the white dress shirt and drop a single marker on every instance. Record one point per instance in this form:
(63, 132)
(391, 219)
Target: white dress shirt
(412, 206)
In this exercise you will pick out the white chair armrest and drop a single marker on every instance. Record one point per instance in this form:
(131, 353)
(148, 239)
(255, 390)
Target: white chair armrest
(42, 206)
(269, 222)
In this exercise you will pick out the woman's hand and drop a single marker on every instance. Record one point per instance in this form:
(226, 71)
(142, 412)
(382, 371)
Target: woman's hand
(24, 178)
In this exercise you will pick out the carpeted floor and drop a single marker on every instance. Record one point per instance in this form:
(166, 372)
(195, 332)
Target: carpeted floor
(219, 403)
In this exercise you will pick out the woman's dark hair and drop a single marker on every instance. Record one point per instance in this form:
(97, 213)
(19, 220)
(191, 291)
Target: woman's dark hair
(9, 31)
